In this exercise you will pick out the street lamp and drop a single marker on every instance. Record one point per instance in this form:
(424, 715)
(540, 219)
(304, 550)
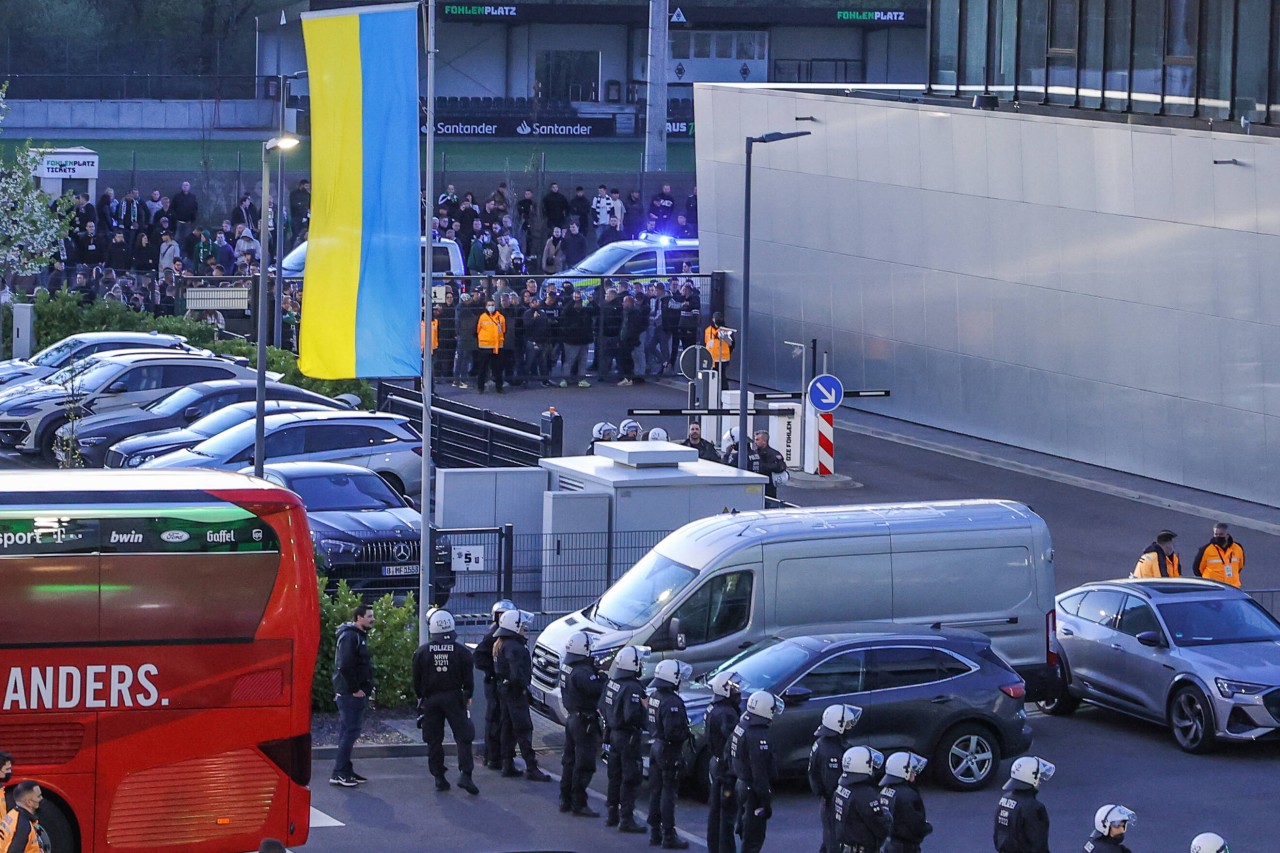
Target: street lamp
(743, 451)
(282, 143)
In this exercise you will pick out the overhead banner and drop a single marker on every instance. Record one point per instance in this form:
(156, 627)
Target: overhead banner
(362, 303)
(528, 128)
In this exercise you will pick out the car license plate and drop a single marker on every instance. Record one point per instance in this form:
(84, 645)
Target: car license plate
(537, 694)
(399, 571)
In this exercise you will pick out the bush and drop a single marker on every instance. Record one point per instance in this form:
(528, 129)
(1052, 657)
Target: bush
(391, 643)
(60, 314)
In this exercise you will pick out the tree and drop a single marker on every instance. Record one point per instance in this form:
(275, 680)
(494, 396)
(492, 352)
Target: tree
(31, 221)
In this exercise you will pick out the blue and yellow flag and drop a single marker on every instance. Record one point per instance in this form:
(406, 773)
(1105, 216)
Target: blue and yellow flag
(362, 301)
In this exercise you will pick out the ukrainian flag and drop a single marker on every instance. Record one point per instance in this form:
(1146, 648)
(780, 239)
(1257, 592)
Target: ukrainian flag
(362, 301)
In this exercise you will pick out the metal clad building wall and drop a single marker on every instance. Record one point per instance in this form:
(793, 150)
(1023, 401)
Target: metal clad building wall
(1092, 290)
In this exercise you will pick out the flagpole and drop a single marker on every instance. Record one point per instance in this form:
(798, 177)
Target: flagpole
(429, 155)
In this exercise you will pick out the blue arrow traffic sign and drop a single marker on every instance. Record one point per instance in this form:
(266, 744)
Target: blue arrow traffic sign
(826, 393)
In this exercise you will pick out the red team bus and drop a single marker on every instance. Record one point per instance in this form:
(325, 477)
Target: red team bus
(158, 634)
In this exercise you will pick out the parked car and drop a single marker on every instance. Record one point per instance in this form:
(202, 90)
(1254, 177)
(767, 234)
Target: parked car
(132, 452)
(93, 435)
(942, 693)
(1200, 657)
(387, 444)
(363, 530)
(446, 259)
(53, 358)
(32, 412)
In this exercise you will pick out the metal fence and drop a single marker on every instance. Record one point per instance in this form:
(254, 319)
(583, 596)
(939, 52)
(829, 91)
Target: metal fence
(547, 574)
(1268, 598)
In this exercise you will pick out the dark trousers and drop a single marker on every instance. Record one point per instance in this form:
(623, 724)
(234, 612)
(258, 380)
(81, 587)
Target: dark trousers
(436, 711)
(578, 761)
(490, 368)
(625, 771)
(444, 361)
(350, 722)
(830, 830)
(721, 816)
(664, 778)
(492, 723)
(626, 357)
(609, 352)
(893, 845)
(517, 726)
(753, 826)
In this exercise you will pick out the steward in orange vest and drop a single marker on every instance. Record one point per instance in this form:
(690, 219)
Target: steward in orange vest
(1222, 559)
(717, 340)
(1159, 560)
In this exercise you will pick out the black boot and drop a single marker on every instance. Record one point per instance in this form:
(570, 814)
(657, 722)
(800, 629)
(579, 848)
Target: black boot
(509, 770)
(465, 783)
(628, 824)
(564, 803)
(442, 784)
(655, 835)
(584, 810)
(671, 841)
(611, 818)
(533, 774)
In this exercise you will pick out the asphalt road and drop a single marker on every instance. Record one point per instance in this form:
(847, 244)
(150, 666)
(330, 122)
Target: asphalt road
(1101, 757)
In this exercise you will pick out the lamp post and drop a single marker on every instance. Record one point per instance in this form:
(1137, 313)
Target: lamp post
(282, 143)
(743, 437)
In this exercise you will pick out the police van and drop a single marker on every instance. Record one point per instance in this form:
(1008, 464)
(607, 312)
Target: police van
(653, 254)
(721, 584)
(446, 259)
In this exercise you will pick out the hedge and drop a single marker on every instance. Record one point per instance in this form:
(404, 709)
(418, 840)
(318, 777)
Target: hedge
(392, 642)
(61, 314)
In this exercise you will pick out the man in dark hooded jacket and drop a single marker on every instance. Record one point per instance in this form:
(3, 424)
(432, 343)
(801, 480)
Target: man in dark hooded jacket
(352, 687)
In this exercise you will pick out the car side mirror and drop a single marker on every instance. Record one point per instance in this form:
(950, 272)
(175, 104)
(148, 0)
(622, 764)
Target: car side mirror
(676, 635)
(796, 695)
(191, 413)
(117, 388)
(1151, 639)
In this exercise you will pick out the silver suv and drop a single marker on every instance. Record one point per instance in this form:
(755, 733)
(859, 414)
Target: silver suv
(1201, 657)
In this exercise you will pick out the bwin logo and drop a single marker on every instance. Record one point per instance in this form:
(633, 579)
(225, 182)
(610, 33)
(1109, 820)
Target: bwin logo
(523, 128)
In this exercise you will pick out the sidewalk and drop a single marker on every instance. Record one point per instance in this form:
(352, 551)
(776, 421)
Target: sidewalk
(395, 734)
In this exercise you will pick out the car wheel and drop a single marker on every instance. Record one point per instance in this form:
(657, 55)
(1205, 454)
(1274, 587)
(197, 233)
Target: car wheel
(967, 757)
(1063, 704)
(1191, 720)
(393, 481)
(49, 439)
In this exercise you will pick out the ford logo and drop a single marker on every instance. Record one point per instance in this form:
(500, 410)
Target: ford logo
(175, 536)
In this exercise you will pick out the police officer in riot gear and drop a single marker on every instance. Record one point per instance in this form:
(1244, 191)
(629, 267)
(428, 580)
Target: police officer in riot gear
(581, 686)
(623, 709)
(755, 768)
(1022, 821)
(513, 667)
(721, 719)
(829, 747)
(1209, 842)
(669, 725)
(1110, 824)
(860, 814)
(902, 799)
(492, 709)
(443, 680)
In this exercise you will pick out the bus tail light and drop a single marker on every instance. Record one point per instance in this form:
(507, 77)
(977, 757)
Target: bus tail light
(292, 755)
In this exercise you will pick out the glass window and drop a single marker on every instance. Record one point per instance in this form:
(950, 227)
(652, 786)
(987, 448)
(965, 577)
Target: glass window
(284, 442)
(1136, 617)
(946, 43)
(765, 665)
(645, 589)
(680, 42)
(1219, 620)
(1033, 45)
(1251, 59)
(702, 45)
(762, 45)
(837, 676)
(1116, 45)
(347, 492)
(643, 263)
(1065, 24)
(147, 378)
(722, 606)
(677, 258)
(724, 45)
(1182, 32)
(973, 60)
(1101, 606)
(176, 375)
(1148, 54)
(745, 44)
(909, 666)
(1071, 603)
(1094, 52)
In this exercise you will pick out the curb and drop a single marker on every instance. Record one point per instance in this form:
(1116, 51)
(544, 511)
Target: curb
(405, 750)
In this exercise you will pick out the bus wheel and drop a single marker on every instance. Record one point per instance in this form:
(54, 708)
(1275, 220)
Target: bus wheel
(56, 821)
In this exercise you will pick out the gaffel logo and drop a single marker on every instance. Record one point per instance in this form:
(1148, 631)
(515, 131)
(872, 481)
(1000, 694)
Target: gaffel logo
(220, 536)
(523, 128)
(175, 536)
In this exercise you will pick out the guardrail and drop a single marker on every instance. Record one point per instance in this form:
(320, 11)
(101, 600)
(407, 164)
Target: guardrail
(1268, 598)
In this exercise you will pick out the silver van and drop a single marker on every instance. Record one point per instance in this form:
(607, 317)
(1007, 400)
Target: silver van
(719, 585)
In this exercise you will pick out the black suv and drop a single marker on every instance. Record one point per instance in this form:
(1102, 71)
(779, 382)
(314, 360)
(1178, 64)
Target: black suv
(941, 693)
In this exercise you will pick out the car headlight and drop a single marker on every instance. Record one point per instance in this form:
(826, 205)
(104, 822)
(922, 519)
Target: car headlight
(135, 461)
(1230, 689)
(91, 441)
(339, 549)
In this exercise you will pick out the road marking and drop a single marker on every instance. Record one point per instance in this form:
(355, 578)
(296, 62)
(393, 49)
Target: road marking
(596, 795)
(320, 820)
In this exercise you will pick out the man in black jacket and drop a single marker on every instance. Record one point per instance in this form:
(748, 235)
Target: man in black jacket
(623, 710)
(611, 318)
(859, 812)
(577, 330)
(574, 246)
(902, 798)
(755, 767)
(352, 686)
(635, 318)
(492, 708)
(722, 718)
(580, 209)
(826, 765)
(581, 686)
(186, 209)
(443, 681)
(1022, 821)
(669, 725)
(555, 208)
(706, 450)
(513, 667)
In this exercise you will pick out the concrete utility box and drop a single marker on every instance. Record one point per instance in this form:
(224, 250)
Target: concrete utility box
(653, 485)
